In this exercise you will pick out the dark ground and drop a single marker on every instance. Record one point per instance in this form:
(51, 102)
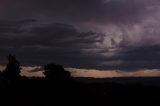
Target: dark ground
(59, 88)
(43, 92)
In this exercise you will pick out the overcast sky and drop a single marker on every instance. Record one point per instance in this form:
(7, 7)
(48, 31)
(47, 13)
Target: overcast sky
(97, 34)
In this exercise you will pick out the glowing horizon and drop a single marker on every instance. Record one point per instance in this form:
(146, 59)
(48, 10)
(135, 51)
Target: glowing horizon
(93, 73)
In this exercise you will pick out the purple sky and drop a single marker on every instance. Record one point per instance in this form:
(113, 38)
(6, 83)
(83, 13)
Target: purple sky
(101, 34)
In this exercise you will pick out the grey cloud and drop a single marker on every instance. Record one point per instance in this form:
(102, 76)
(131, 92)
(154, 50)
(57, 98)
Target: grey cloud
(59, 43)
(64, 44)
(133, 58)
(60, 32)
(77, 10)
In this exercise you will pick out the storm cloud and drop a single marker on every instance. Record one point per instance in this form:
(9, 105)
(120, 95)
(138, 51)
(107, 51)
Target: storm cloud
(101, 34)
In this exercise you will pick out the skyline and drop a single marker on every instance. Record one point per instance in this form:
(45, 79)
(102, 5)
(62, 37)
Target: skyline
(37, 71)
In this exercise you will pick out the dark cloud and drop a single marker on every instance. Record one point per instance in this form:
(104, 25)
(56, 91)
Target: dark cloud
(104, 34)
(77, 10)
(64, 44)
(41, 44)
(142, 57)
(134, 58)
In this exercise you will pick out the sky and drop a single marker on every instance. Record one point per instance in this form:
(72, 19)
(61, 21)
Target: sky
(88, 34)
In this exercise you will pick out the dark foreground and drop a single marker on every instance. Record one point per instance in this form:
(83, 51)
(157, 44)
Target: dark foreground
(59, 88)
(43, 92)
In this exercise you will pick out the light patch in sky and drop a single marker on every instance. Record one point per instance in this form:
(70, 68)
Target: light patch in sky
(2, 67)
(37, 71)
(115, 73)
(32, 71)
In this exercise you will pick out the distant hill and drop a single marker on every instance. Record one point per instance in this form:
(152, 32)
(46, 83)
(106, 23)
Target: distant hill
(123, 80)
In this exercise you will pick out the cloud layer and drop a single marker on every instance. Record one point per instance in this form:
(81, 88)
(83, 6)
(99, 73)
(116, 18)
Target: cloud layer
(101, 34)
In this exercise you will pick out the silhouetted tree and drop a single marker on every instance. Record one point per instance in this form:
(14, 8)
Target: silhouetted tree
(12, 70)
(56, 72)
